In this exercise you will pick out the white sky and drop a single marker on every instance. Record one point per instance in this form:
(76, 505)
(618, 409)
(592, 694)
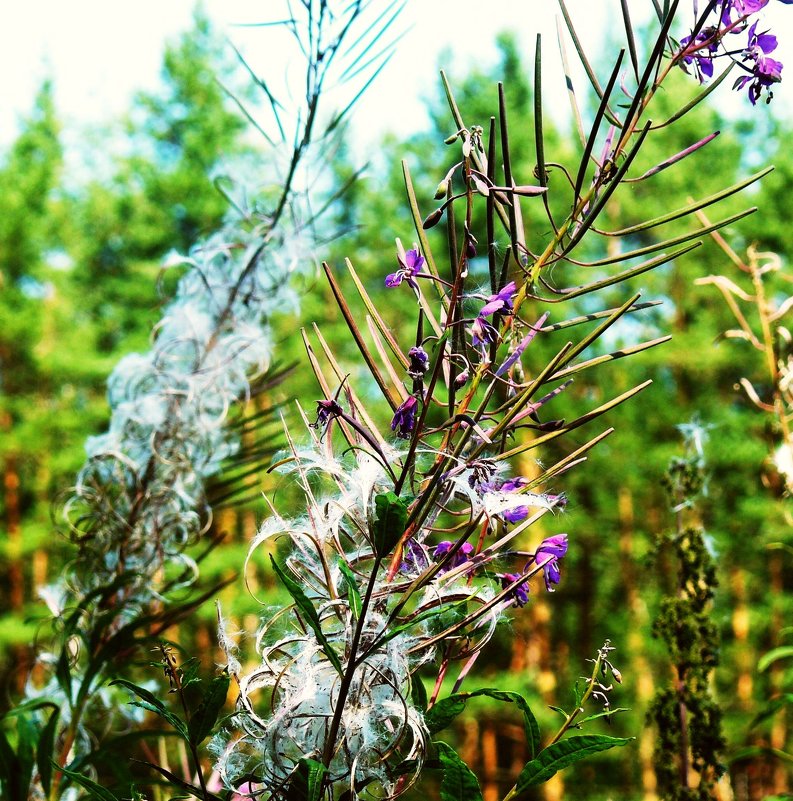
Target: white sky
(101, 51)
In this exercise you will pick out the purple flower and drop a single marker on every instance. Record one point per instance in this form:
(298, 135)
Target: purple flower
(412, 264)
(701, 53)
(482, 332)
(548, 554)
(414, 558)
(500, 302)
(326, 411)
(766, 71)
(405, 418)
(460, 558)
(520, 592)
(419, 362)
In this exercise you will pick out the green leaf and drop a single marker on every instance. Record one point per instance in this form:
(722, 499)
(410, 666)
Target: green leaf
(153, 704)
(309, 613)
(63, 674)
(203, 719)
(95, 790)
(44, 751)
(391, 516)
(418, 692)
(766, 660)
(447, 709)
(772, 708)
(558, 756)
(9, 772)
(459, 782)
(27, 735)
(307, 781)
(351, 586)
(197, 792)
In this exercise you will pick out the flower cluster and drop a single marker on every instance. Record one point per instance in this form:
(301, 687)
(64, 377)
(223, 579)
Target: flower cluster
(719, 38)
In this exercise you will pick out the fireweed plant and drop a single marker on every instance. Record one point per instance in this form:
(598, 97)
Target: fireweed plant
(141, 501)
(410, 548)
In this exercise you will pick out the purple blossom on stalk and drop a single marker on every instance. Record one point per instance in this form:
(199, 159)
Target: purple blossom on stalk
(700, 54)
(419, 362)
(482, 332)
(766, 71)
(405, 418)
(411, 265)
(520, 592)
(327, 410)
(548, 554)
(414, 558)
(500, 302)
(460, 558)
(743, 8)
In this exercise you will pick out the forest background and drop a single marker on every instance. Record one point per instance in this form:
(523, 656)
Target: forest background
(80, 270)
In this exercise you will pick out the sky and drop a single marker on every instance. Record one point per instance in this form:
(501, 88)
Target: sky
(100, 52)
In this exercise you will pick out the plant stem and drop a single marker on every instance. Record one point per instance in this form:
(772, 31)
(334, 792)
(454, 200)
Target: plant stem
(352, 665)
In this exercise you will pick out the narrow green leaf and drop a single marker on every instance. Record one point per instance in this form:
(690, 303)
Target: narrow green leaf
(63, 673)
(95, 790)
(389, 524)
(153, 704)
(44, 751)
(444, 712)
(351, 587)
(307, 781)
(767, 659)
(27, 735)
(459, 782)
(196, 792)
(447, 709)
(560, 755)
(418, 692)
(772, 708)
(9, 771)
(308, 611)
(203, 719)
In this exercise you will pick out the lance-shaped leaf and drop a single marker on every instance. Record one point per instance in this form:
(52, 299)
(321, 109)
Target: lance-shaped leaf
(45, 751)
(389, 524)
(459, 782)
(307, 781)
(447, 709)
(310, 615)
(351, 589)
(95, 791)
(173, 779)
(149, 701)
(203, 719)
(560, 755)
